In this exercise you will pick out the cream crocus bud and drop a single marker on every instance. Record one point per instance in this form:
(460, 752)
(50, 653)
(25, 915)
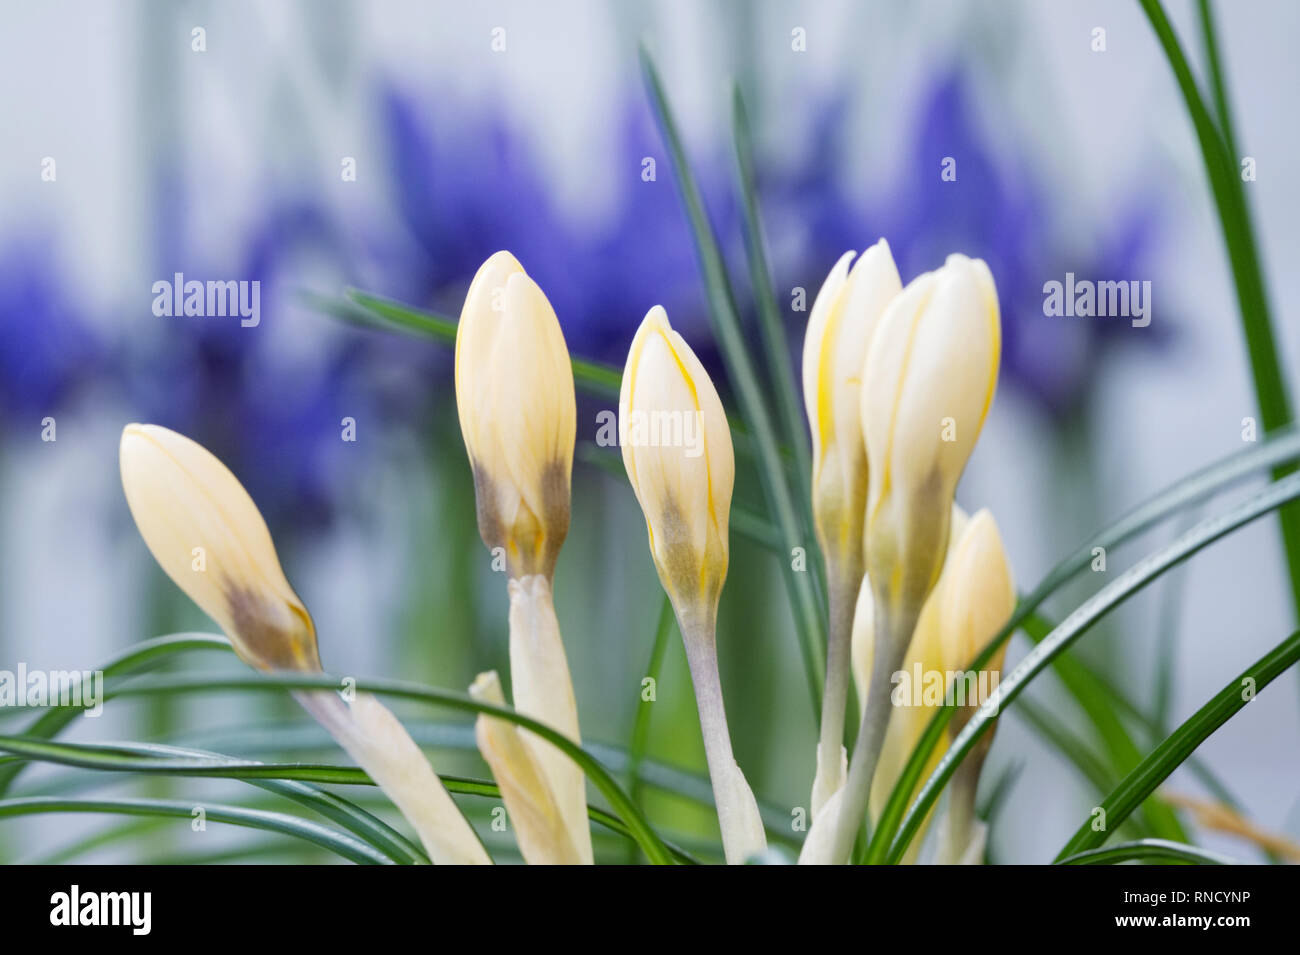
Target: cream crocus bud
(514, 394)
(928, 382)
(543, 690)
(540, 828)
(209, 537)
(678, 455)
(844, 316)
(977, 598)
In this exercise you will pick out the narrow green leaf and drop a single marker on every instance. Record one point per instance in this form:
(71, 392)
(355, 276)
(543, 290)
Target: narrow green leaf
(1170, 754)
(143, 655)
(775, 347)
(645, 836)
(340, 843)
(1229, 195)
(1146, 850)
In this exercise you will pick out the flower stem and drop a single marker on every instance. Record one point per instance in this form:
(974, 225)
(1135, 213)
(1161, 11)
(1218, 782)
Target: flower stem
(893, 634)
(738, 818)
(371, 735)
(843, 593)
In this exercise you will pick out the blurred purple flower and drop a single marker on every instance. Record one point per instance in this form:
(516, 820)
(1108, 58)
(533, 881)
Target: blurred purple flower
(47, 349)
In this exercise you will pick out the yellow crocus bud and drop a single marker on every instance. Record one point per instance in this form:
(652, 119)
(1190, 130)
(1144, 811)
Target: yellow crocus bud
(844, 316)
(543, 690)
(514, 394)
(977, 599)
(928, 382)
(543, 836)
(678, 455)
(208, 535)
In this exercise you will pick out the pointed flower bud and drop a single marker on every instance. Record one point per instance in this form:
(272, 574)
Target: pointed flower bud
(544, 838)
(543, 690)
(928, 383)
(678, 455)
(514, 394)
(209, 537)
(844, 316)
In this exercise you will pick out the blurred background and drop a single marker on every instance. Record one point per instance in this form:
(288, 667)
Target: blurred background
(221, 154)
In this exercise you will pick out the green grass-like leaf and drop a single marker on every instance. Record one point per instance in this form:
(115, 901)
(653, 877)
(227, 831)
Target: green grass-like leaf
(1171, 753)
(1148, 850)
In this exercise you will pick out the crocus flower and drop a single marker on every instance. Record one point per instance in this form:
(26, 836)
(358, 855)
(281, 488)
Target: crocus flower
(514, 394)
(678, 455)
(844, 316)
(928, 382)
(515, 398)
(209, 537)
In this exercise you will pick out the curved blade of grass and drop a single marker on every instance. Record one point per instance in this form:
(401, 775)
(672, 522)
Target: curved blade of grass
(1064, 740)
(181, 761)
(1243, 256)
(600, 777)
(641, 724)
(139, 657)
(288, 781)
(1169, 755)
(806, 605)
(340, 843)
(1074, 626)
(1148, 850)
(775, 347)
(680, 783)
(1188, 490)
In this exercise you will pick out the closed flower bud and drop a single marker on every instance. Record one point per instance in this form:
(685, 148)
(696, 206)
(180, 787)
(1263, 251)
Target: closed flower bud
(928, 383)
(844, 316)
(206, 532)
(514, 394)
(540, 828)
(678, 455)
(978, 598)
(209, 537)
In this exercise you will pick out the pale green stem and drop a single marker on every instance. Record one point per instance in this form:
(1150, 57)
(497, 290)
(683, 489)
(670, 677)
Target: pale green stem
(959, 820)
(738, 818)
(843, 584)
(892, 639)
